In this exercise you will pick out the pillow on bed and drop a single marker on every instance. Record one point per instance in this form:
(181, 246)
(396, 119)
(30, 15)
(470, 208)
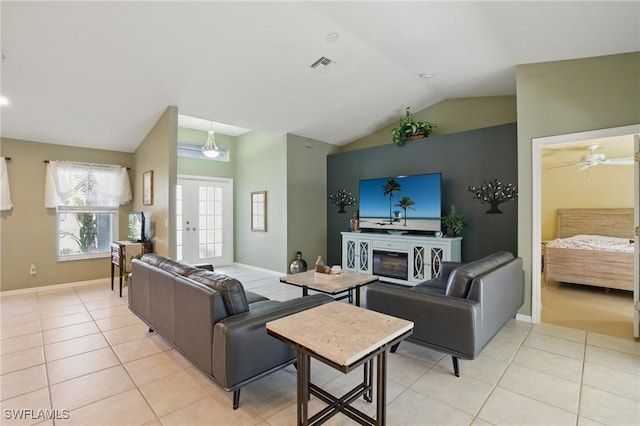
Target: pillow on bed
(594, 242)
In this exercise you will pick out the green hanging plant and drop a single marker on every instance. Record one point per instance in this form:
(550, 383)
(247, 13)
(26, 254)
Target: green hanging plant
(409, 127)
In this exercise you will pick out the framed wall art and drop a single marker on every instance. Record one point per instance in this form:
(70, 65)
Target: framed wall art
(259, 211)
(147, 188)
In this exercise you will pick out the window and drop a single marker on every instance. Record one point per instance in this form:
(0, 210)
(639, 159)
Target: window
(85, 233)
(86, 198)
(192, 151)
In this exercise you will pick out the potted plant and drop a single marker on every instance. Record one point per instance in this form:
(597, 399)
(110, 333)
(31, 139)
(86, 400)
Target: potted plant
(453, 222)
(127, 273)
(409, 127)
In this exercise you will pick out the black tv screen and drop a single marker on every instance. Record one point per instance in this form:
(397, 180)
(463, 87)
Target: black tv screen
(401, 203)
(136, 226)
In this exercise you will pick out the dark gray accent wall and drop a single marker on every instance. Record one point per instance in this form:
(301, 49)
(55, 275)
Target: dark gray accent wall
(464, 159)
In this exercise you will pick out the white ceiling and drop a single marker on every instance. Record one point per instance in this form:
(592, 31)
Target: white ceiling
(100, 74)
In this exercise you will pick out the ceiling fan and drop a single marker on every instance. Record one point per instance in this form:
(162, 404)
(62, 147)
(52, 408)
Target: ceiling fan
(593, 159)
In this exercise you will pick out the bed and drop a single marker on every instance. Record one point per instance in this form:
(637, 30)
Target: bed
(579, 262)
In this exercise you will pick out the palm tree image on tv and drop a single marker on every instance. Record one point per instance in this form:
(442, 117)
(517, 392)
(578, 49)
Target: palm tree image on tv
(383, 201)
(391, 186)
(406, 203)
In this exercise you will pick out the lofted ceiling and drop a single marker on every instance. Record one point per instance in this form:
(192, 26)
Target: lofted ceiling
(100, 74)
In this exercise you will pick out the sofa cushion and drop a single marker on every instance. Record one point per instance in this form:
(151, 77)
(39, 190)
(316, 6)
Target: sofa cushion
(254, 297)
(233, 295)
(460, 278)
(169, 264)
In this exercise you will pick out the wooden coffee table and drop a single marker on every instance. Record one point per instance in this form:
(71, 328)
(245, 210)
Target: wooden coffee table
(344, 337)
(346, 282)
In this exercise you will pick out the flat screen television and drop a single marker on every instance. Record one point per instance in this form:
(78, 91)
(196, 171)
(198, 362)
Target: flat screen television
(136, 227)
(401, 203)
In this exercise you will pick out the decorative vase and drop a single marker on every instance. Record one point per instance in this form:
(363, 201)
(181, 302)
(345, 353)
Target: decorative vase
(319, 264)
(298, 264)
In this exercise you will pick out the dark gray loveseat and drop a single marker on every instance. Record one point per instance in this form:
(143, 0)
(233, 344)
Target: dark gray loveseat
(461, 310)
(212, 320)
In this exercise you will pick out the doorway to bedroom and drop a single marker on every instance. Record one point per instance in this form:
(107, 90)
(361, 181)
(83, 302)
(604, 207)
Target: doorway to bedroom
(589, 170)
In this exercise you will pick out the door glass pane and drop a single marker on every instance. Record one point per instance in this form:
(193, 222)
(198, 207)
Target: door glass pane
(210, 215)
(202, 210)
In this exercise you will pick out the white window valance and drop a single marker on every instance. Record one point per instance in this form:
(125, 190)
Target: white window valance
(5, 192)
(82, 184)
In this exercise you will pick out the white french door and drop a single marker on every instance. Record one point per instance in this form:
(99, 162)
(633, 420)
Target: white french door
(204, 222)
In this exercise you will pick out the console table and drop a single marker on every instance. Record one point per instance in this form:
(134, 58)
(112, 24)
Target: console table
(399, 259)
(121, 254)
(344, 337)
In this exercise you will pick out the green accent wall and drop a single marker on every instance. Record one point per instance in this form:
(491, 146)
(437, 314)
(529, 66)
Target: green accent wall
(451, 116)
(561, 97)
(261, 166)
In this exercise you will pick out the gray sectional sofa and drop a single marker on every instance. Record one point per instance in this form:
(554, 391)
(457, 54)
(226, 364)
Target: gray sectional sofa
(212, 320)
(461, 310)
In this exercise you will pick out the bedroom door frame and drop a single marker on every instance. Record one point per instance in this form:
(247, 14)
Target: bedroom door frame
(636, 224)
(537, 144)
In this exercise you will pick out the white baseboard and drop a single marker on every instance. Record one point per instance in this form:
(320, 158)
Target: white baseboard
(53, 287)
(524, 318)
(257, 268)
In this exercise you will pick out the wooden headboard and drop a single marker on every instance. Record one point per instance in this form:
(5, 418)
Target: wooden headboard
(609, 222)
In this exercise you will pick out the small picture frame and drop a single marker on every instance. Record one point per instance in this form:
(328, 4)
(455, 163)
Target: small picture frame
(147, 188)
(259, 211)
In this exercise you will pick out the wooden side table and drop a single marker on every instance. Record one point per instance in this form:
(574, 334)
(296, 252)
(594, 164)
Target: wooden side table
(121, 254)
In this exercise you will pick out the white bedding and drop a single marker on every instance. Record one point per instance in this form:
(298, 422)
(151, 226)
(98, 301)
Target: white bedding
(594, 242)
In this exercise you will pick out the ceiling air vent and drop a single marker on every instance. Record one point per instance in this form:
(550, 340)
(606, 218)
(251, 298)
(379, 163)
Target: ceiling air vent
(322, 63)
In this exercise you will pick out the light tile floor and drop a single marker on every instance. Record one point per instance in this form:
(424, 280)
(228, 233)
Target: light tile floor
(81, 350)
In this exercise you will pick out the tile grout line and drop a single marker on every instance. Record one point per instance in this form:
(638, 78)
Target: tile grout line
(135, 384)
(495, 386)
(46, 368)
(100, 331)
(584, 362)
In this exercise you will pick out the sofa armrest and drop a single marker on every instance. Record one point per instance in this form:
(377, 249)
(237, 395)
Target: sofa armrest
(242, 348)
(448, 267)
(500, 293)
(447, 324)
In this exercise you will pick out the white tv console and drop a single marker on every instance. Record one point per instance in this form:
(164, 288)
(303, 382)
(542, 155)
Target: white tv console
(400, 259)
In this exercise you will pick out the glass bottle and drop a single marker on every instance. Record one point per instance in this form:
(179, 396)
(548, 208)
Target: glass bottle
(298, 264)
(319, 264)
